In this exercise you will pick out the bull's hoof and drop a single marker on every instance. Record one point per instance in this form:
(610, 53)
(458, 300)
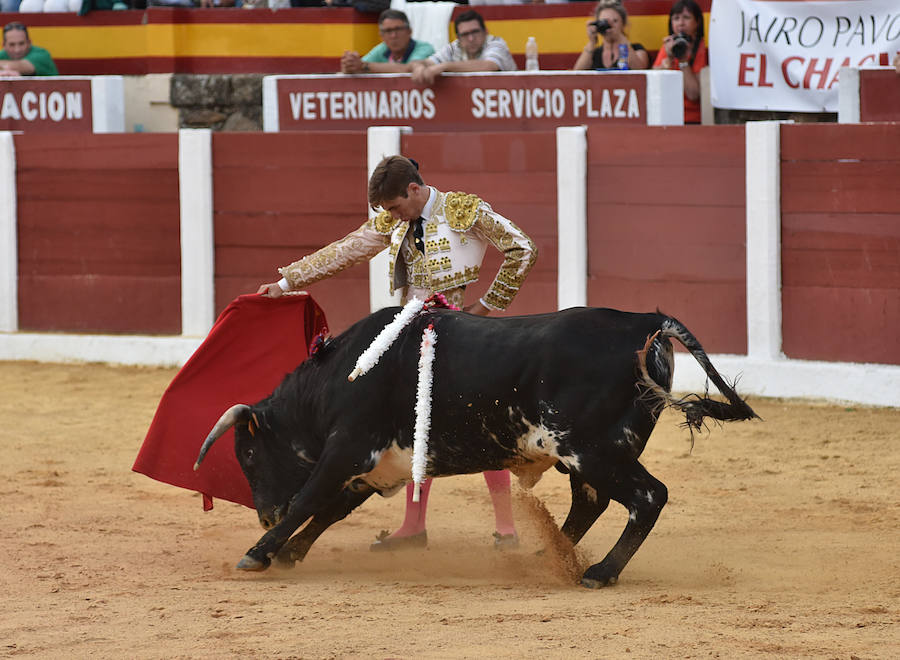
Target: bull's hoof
(248, 563)
(600, 575)
(597, 584)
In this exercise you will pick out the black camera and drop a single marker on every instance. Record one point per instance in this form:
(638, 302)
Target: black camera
(602, 25)
(681, 44)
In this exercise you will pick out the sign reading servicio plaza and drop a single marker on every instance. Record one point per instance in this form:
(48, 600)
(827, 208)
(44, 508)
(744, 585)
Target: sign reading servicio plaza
(483, 101)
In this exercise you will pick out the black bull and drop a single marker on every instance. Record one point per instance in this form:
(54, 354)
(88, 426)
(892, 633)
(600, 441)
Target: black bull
(579, 389)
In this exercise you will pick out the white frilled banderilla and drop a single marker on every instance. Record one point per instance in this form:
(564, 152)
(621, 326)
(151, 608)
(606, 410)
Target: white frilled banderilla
(373, 353)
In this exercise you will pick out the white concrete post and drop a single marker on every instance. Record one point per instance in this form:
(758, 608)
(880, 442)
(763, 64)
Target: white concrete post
(848, 96)
(108, 104)
(571, 216)
(9, 270)
(270, 104)
(665, 98)
(197, 245)
(383, 141)
(763, 170)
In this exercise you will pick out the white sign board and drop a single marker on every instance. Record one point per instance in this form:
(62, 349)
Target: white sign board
(787, 55)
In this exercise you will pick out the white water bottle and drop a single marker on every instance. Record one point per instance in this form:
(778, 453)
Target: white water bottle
(531, 55)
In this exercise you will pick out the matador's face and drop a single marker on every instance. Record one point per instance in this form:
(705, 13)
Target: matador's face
(409, 207)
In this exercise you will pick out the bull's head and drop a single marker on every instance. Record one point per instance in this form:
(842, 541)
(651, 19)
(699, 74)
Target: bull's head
(273, 469)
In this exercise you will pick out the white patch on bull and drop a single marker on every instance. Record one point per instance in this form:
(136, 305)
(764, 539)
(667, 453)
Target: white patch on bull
(590, 492)
(536, 449)
(393, 469)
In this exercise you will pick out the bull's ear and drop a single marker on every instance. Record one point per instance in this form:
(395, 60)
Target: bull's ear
(252, 423)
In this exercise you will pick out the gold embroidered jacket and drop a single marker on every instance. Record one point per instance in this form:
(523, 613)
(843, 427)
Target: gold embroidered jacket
(457, 232)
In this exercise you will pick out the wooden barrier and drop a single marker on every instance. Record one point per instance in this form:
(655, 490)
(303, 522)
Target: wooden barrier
(279, 197)
(666, 227)
(866, 95)
(670, 223)
(98, 233)
(841, 242)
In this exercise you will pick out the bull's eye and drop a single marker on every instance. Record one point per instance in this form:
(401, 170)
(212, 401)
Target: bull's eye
(248, 454)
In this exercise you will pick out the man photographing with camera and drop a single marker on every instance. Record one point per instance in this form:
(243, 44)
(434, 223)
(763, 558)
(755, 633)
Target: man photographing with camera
(683, 49)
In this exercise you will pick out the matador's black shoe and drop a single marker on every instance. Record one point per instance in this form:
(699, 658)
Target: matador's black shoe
(384, 542)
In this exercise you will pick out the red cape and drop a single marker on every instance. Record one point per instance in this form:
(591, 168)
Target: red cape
(254, 343)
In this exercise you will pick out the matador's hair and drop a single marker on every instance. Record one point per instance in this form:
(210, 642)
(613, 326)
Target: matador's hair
(391, 179)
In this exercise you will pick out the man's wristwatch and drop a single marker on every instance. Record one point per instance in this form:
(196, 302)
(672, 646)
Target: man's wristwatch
(684, 65)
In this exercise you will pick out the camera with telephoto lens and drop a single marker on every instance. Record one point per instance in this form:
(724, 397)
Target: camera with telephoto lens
(602, 25)
(681, 44)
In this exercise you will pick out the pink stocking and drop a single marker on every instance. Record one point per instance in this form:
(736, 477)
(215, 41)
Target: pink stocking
(498, 486)
(414, 520)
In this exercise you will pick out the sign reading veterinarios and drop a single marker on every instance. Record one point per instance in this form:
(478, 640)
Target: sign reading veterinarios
(787, 55)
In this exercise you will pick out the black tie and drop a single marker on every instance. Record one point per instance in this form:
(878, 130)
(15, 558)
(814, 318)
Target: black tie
(418, 233)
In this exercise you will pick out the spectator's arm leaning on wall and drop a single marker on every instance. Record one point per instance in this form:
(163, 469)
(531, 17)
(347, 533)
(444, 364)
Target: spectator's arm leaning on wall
(37, 62)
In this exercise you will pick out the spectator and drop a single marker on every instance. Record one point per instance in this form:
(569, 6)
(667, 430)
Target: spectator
(610, 21)
(9, 6)
(473, 50)
(422, 226)
(20, 58)
(396, 51)
(684, 49)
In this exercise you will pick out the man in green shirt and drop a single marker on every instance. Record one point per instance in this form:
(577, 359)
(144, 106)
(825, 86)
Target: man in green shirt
(20, 58)
(395, 52)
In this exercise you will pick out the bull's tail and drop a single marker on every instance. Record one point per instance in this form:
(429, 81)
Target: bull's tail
(695, 407)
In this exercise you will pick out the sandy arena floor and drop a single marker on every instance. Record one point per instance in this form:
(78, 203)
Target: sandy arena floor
(781, 539)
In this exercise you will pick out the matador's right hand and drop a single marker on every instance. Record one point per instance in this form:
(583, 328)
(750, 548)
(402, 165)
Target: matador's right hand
(271, 290)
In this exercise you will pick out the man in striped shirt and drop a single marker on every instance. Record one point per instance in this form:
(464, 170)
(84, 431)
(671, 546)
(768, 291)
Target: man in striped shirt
(473, 50)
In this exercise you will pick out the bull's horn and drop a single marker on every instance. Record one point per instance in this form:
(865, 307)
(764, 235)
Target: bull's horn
(231, 417)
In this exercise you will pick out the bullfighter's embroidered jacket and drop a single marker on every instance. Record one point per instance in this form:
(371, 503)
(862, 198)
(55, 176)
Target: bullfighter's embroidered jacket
(457, 229)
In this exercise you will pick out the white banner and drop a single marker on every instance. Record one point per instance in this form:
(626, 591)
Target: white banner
(786, 55)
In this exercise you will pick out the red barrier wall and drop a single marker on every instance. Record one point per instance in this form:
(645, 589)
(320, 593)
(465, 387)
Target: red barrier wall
(278, 197)
(516, 174)
(98, 227)
(879, 95)
(666, 226)
(840, 233)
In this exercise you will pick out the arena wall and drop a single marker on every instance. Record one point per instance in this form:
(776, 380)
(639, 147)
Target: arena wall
(705, 223)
